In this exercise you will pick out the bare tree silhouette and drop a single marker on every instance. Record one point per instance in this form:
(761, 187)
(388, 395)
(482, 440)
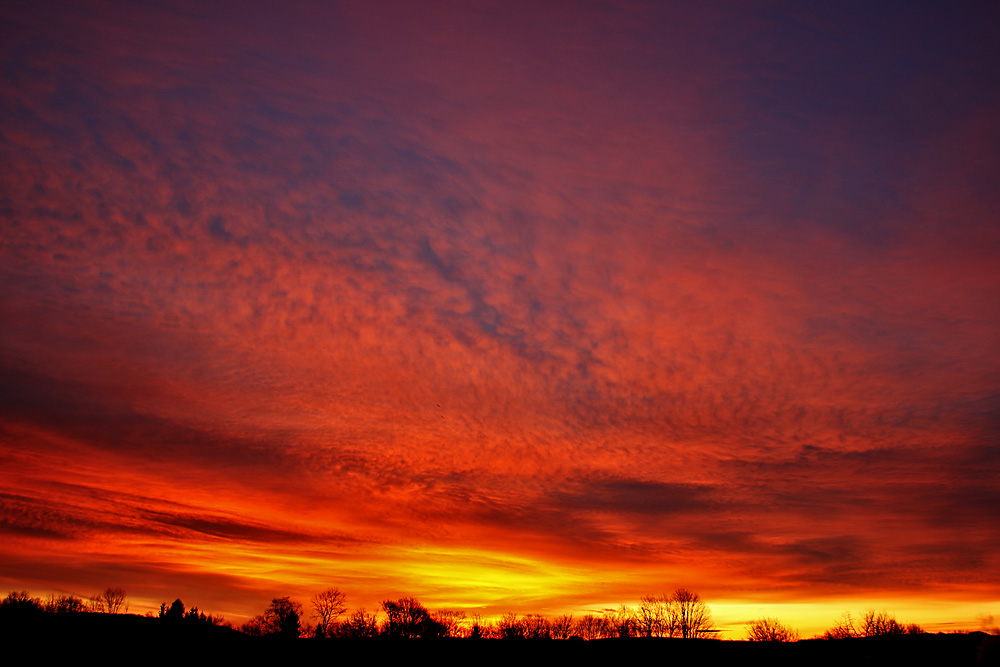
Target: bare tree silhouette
(359, 625)
(452, 622)
(652, 618)
(590, 627)
(536, 626)
(621, 622)
(280, 619)
(872, 624)
(510, 626)
(770, 630)
(408, 619)
(689, 615)
(880, 624)
(328, 606)
(111, 600)
(20, 602)
(480, 629)
(65, 604)
(842, 628)
(562, 626)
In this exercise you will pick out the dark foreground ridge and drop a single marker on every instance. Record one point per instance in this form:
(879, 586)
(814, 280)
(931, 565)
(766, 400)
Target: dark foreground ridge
(144, 640)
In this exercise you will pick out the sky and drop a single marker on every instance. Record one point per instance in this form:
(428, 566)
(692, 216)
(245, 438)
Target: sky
(507, 306)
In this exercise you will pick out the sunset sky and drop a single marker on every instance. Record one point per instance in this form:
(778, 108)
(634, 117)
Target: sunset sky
(507, 306)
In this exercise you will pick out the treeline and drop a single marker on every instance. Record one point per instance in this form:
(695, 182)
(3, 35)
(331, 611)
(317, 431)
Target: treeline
(112, 601)
(682, 614)
(871, 624)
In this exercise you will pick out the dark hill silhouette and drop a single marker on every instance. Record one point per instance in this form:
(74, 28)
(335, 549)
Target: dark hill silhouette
(107, 630)
(151, 640)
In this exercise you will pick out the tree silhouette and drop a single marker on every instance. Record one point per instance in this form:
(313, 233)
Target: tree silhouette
(652, 618)
(590, 627)
(872, 624)
(479, 629)
(359, 625)
(689, 615)
(281, 618)
(328, 606)
(621, 622)
(111, 600)
(20, 603)
(536, 626)
(770, 630)
(562, 626)
(510, 626)
(880, 624)
(843, 628)
(254, 627)
(452, 622)
(174, 612)
(683, 614)
(65, 604)
(408, 619)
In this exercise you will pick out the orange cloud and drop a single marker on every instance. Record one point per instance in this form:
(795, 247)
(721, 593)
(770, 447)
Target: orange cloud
(502, 308)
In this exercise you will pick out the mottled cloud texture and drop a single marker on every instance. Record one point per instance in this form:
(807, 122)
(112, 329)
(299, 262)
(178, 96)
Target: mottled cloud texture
(523, 305)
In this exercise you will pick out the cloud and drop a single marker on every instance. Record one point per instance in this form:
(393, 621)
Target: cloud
(633, 496)
(678, 288)
(26, 516)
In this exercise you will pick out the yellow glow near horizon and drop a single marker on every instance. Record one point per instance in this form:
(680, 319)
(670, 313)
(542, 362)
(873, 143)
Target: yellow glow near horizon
(812, 619)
